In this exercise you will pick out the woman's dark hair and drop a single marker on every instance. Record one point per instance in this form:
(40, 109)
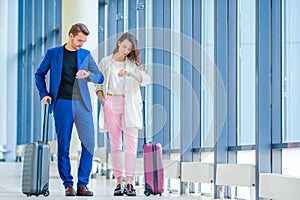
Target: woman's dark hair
(134, 55)
(77, 28)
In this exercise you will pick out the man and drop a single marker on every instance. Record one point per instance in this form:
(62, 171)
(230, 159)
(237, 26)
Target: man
(71, 67)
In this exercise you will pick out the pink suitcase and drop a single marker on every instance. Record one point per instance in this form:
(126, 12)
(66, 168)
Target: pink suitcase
(154, 171)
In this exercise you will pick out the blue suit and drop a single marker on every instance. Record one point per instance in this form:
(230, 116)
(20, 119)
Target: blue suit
(53, 62)
(67, 112)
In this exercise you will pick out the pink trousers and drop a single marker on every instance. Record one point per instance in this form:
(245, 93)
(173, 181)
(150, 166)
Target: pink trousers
(115, 122)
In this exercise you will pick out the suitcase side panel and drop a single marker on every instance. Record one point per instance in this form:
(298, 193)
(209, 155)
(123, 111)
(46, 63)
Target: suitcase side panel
(160, 172)
(28, 184)
(154, 172)
(36, 168)
(45, 171)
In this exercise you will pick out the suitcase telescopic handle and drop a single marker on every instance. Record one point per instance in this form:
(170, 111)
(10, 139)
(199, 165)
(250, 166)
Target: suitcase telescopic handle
(46, 122)
(144, 123)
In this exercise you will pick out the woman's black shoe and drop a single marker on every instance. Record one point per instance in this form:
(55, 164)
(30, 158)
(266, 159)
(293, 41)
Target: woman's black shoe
(118, 190)
(129, 190)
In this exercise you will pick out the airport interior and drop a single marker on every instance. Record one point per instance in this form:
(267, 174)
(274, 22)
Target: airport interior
(221, 101)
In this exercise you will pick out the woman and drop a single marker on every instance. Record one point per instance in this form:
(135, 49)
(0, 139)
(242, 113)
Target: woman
(121, 108)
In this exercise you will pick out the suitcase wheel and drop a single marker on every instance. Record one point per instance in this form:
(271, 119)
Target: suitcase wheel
(147, 192)
(46, 193)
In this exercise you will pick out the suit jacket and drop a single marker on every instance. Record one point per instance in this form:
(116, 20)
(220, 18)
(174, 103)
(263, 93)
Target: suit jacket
(53, 61)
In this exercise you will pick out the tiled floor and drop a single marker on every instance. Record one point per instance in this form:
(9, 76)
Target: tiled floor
(10, 186)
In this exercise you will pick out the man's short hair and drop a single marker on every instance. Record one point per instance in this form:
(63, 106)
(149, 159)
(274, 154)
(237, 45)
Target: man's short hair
(77, 28)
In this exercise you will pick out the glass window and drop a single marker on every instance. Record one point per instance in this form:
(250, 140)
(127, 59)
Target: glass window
(207, 70)
(291, 71)
(246, 72)
(38, 34)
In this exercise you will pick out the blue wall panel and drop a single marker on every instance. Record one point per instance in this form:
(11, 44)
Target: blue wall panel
(232, 78)
(277, 118)
(196, 80)
(263, 106)
(220, 150)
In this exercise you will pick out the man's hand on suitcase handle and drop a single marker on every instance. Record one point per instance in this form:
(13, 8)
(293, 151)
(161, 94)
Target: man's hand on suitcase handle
(46, 100)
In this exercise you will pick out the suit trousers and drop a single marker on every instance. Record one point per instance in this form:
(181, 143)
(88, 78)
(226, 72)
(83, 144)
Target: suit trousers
(67, 112)
(114, 118)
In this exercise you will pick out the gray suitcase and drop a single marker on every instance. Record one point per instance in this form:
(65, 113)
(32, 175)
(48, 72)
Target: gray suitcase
(36, 166)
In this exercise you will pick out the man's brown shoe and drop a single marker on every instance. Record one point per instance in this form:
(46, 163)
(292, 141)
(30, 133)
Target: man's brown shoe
(70, 191)
(84, 191)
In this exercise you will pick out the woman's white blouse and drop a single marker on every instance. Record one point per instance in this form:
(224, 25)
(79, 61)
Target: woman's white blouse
(116, 84)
